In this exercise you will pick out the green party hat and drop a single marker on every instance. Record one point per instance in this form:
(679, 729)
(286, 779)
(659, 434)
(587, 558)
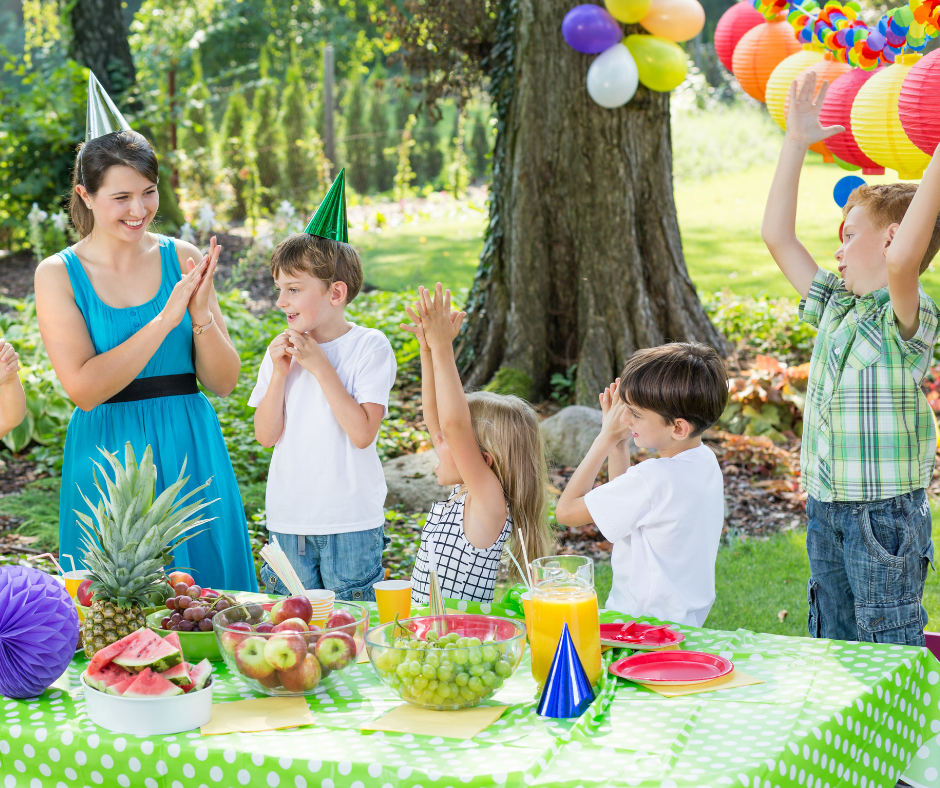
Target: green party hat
(330, 219)
(103, 116)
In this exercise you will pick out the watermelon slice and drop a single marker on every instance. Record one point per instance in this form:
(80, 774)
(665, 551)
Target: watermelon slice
(105, 676)
(200, 675)
(105, 655)
(118, 689)
(178, 674)
(148, 684)
(149, 650)
(174, 640)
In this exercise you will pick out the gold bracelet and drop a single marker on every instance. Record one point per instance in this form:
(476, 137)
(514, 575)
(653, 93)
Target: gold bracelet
(197, 330)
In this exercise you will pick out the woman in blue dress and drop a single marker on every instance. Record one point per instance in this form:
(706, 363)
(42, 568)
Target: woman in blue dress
(129, 331)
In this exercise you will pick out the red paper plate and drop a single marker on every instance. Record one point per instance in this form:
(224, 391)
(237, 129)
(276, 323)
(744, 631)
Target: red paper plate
(663, 668)
(640, 637)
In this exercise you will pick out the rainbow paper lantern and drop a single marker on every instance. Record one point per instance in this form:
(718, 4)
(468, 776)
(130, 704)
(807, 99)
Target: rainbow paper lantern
(734, 23)
(758, 53)
(919, 103)
(837, 110)
(877, 127)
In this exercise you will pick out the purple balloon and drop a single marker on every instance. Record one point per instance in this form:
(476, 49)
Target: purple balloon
(38, 631)
(876, 41)
(590, 29)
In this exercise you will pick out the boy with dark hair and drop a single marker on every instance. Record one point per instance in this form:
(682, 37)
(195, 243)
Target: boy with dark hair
(664, 516)
(321, 395)
(868, 433)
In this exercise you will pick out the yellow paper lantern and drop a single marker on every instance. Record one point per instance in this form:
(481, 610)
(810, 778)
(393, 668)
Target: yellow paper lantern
(877, 126)
(778, 85)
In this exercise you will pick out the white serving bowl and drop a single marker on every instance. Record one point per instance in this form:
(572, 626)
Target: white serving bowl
(148, 716)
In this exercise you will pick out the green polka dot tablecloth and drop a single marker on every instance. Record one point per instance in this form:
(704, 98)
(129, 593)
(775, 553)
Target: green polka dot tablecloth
(828, 713)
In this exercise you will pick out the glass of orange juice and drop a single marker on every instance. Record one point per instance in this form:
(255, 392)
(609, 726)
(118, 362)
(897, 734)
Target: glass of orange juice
(563, 593)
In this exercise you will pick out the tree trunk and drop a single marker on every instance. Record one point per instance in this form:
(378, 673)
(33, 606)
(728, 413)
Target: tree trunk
(582, 262)
(99, 41)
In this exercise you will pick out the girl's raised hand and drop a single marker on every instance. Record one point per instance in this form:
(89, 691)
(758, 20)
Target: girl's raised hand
(415, 327)
(440, 323)
(199, 300)
(9, 362)
(803, 109)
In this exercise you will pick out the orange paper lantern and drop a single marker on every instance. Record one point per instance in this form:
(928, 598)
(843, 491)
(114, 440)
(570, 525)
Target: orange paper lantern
(877, 127)
(759, 51)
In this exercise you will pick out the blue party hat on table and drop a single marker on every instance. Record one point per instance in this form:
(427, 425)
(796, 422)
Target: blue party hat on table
(567, 691)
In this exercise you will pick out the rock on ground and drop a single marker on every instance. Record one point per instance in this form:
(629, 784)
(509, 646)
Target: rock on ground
(569, 434)
(412, 485)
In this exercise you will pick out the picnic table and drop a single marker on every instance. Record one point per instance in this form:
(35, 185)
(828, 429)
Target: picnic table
(827, 713)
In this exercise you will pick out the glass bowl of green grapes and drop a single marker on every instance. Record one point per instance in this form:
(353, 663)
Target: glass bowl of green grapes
(446, 662)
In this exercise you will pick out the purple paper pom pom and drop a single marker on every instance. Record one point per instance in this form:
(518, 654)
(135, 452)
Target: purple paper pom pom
(38, 631)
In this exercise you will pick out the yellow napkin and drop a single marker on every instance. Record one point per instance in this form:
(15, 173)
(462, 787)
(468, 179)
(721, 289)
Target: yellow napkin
(258, 714)
(736, 678)
(457, 724)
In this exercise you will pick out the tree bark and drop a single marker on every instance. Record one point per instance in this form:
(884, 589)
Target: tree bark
(583, 261)
(99, 41)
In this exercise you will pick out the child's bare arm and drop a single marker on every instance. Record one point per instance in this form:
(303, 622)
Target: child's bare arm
(428, 390)
(908, 246)
(778, 228)
(571, 508)
(12, 396)
(484, 518)
(269, 415)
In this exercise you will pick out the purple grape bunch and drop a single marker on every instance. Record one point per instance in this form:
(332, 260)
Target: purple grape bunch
(193, 609)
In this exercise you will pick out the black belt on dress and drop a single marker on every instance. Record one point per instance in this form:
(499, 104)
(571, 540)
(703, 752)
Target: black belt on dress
(156, 386)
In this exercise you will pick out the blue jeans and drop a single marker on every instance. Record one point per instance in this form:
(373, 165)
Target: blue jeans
(868, 564)
(347, 563)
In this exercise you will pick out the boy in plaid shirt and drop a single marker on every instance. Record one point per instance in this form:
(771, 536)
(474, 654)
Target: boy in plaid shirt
(868, 433)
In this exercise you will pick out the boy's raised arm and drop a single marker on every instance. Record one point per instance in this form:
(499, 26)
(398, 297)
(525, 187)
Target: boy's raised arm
(778, 228)
(908, 246)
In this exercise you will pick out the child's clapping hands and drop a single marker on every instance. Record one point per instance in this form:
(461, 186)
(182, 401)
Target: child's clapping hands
(616, 416)
(9, 362)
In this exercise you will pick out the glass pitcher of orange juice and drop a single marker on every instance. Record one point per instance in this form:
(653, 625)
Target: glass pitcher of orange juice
(563, 593)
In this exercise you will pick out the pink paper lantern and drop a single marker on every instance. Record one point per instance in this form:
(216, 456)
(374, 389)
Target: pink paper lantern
(734, 23)
(837, 111)
(919, 103)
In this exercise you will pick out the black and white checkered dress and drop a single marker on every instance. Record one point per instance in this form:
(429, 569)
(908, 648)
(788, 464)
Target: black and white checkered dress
(464, 571)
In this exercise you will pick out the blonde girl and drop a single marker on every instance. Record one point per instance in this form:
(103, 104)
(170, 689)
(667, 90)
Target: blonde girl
(490, 450)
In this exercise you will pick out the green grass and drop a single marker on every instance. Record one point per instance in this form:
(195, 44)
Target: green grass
(756, 579)
(424, 251)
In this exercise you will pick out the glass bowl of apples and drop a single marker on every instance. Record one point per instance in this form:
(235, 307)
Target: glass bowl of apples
(453, 661)
(280, 652)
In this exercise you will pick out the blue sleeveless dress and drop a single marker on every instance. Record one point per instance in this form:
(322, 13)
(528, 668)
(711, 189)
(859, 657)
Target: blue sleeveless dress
(177, 427)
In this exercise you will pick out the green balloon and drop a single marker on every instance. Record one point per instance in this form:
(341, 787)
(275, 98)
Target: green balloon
(662, 64)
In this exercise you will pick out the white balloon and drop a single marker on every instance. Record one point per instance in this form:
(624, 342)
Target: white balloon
(612, 78)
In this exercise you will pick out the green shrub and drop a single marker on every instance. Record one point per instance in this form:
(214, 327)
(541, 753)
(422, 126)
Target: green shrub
(509, 380)
(234, 149)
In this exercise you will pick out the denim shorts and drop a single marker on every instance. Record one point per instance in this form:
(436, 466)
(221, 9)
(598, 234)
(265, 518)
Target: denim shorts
(347, 563)
(868, 563)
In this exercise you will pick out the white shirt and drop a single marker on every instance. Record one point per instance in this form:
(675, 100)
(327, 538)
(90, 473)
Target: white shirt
(319, 482)
(664, 517)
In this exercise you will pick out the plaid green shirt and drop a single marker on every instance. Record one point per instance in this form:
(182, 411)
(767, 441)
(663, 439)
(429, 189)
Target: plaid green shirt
(868, 433)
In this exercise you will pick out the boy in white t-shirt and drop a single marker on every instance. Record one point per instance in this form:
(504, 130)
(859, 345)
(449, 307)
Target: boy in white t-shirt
(664, 516)
(321, 395)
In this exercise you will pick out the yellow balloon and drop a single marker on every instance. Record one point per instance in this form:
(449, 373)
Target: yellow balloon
(628, 10)
(677, 20)
(661, 64)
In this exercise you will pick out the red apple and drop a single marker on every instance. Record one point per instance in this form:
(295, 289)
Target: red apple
(296, 606)
(181, 577)
(344, 619)
(271, 682)
(302, 677)
(249, 657)
(234, 634)
(83, 594)
(285, 649)
(336, 650)
(292, 624)
(265, 627)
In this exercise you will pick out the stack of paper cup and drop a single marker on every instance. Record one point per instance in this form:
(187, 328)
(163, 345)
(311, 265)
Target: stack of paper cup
(321, 601)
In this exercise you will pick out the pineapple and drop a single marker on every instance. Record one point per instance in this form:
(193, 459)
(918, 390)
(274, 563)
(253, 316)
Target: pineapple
(128, 541)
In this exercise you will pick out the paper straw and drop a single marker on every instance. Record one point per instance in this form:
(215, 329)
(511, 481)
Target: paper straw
(51, 557)
(281, 566)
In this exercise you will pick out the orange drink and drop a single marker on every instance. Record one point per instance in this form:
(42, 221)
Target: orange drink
(576, 606)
